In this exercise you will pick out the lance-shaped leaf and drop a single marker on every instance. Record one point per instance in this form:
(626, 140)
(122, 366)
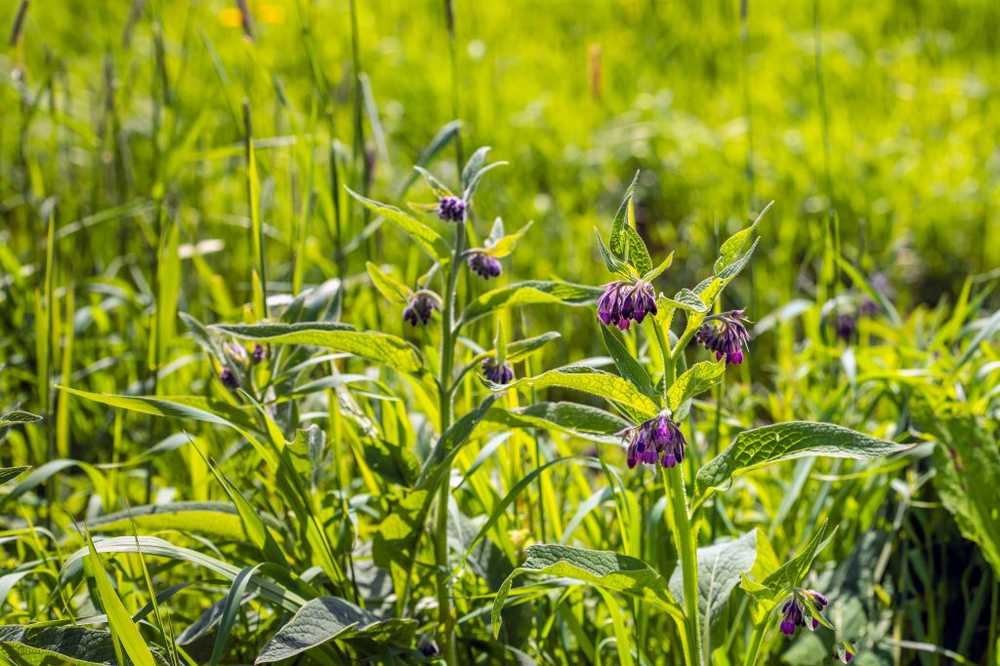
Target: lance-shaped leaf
(392, 289)
(328, 618)
(218, 519)
(595, 382)
(69, 646)
(447, 447)
(737, 248)
(505, 244)
(428, 239)
(18, 416)
(530, 293)
(8, 473)
(628, 366)
(697, 379)
(793, 439)
(719, 569)
(616, 241)
(583, 421)
(372, 345)
(606, 569)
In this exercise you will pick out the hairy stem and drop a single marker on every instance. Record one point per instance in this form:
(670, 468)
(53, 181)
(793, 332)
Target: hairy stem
(755, 641)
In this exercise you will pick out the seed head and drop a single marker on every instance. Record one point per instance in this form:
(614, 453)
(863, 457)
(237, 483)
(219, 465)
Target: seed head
(485, 265)
(497, 373)
(418, 311)
(625, 302)
(451, 209)
(725, 334)
(657, 440)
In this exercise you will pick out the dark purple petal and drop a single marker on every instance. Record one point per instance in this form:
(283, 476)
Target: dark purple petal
(485, 266)
(497, 373)
(451, 209)
(418, 311)
(229, 379)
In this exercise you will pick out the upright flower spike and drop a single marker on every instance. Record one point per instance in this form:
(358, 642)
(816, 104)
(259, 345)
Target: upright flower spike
(418, 311)
(451, 209)
(485, 265)
(657, 440)
(794, 613)
(496, 372)
(725, 334)
(625, 302)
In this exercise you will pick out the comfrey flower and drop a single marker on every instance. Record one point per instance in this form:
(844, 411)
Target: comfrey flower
(229, 379)
(259, 354)
(496, 372)
(418, 311)
(657, 440)
(451, 209)
(795, 614)
(845, 325)
(725, 334)
(624, 302)
(485, 265)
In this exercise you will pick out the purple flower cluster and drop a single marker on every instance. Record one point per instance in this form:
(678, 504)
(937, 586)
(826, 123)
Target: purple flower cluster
(624, 302)
(259, 354)
(496, 372)
(451, 209)
(657, 440)
(229, 379)
(418, 311)
(794, 613)
(485, 265)
(845, 325)
(725, 334)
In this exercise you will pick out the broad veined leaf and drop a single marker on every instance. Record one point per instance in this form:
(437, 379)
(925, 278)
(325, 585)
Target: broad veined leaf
(583, 421)
(216, 518)
(392, 289)
(598, 383)
(520, 349)
(68, 645)
(428, 239)
(719, 569)
(18, 416)
(628, 366)
(616, 241)
(685, 299)
(530, 293)
(612, 571)
(697, 379)
(328, 618)
(738, 247)
(793, 439)
(371, 345)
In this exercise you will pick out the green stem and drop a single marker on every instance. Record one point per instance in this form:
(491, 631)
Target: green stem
(687, 551)
(668, 359)
(755, 643)
(446, 624)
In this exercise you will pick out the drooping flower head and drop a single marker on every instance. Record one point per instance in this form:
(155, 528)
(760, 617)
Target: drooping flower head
(418, 311)
(657, 440)
(235, 352)
(451, 209)
(229, 379)
(484, 265)
(725, 334)
(258, 354)
(498, 373)
(625, 302)
(794, 613)
(845, 325)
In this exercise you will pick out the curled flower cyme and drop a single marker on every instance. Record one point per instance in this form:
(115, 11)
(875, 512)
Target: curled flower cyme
(657, 440)
(418, 311)
(498, 373)
(625, 302)
(794, 613)
(485, 265)
(725, 334)
(451, 209)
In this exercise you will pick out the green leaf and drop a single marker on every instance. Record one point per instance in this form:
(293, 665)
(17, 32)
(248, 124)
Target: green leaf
(9, 473)
(444, 136)
(654, 273)
(229, 609)
(612, 571)
(583, 421)
(52, 646)
(521, 349)
(685, 299)
(393, 290)
(613, 264)
(697, 379)
(598, 383)
(530, 293)
(329, 618)
(371, 345)
(638, 254)
(447, 447)
(428, 239)
(18, 416)
(214, 518)
(737, 248)
(616, 241)
(720, 567)
(504, 245)
(628, 366)
(793, 439)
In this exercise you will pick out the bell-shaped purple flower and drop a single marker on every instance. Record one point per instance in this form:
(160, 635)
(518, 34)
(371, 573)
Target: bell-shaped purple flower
(229, 379)
(418, 311)
(845, 325)
(794, 613)
(451, 209)
(725, 334)
(258, 354)
(657, 440)
(498, 373)
(625, 302)
(485, 265)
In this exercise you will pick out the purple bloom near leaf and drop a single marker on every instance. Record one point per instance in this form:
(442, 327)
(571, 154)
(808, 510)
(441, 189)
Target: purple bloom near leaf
(418, 311)
(725, 334)
(845, 325)
(496, 372)
(657, 440)
(485, 265)
(868, 308)
(451, 209)
(259, 354)
(794, 613)
(624, 302)
(229, 379)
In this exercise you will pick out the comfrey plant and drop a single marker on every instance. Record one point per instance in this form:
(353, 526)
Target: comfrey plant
(648, 337)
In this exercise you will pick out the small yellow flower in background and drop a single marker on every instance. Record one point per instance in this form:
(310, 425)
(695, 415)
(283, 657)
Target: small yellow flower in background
(264, 12)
